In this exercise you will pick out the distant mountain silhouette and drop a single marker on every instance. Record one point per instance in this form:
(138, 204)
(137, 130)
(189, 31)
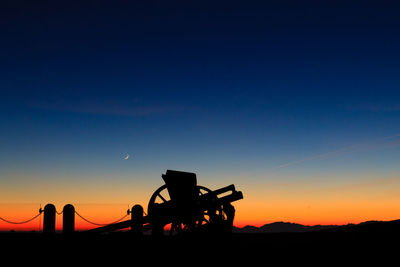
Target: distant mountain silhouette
(287, 227)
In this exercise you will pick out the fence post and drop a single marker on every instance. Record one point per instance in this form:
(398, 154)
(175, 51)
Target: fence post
(68, 219)
(49, 219)
(137, 220)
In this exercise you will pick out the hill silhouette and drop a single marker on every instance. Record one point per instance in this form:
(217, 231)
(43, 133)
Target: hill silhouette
(287, 227)
(281, 227)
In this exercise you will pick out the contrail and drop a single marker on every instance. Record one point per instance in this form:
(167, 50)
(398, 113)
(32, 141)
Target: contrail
(343, 150)
(319, 156)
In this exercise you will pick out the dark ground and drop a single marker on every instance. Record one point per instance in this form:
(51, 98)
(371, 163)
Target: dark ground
(372, 244)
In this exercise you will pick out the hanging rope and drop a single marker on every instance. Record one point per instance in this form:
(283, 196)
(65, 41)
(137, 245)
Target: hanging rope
(11, 222)
(59, 213)
(99, 224)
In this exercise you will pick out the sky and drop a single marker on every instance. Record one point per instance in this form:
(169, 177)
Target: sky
(297, 104)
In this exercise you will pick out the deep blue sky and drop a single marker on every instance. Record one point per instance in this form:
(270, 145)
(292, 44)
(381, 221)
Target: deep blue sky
(220, 88)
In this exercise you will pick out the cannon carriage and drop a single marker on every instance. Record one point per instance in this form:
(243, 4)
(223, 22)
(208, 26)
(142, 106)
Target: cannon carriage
(184, 207)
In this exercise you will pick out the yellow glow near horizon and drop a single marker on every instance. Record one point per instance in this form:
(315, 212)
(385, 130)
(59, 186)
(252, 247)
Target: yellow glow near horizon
(306, 201)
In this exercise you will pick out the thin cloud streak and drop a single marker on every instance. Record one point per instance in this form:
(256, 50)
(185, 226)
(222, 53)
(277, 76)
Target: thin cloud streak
(116, 110)
(353, 148)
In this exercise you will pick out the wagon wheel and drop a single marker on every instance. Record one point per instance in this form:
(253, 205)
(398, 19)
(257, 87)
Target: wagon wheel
(205, 217)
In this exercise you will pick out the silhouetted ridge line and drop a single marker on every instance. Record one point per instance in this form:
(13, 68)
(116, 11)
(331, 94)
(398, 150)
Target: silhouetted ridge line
(287, 227)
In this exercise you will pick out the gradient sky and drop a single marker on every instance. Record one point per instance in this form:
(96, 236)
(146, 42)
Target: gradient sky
(296, 104)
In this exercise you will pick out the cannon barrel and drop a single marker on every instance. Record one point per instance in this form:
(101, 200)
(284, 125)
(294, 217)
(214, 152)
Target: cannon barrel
(224, 189)
(235, 195)
(203, 200)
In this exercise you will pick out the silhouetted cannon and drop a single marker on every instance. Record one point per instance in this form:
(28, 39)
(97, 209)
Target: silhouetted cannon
(185, 206)
(191, 207)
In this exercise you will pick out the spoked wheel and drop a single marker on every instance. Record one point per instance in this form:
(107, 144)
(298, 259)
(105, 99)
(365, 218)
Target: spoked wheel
(205, 216)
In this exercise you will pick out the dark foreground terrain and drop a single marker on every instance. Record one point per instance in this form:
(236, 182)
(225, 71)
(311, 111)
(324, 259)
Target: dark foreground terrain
(373, 243)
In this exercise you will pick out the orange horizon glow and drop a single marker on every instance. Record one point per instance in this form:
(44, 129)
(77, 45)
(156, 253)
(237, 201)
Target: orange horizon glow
(244, 217)
(307, 202)
(85, 226)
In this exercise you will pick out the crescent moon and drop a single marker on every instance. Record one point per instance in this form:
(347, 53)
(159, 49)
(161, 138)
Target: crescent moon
(126, 157)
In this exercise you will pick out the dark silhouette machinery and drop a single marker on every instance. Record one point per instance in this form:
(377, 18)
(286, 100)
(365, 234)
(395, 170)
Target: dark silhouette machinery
(185, 206)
